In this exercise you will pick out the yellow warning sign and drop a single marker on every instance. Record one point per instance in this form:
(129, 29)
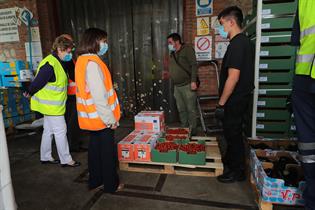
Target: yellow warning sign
(203, 26)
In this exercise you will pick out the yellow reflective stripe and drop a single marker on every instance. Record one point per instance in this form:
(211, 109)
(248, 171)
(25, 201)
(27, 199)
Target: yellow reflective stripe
(54, 88)
(308, 31)
(306, 58)
(113, 106)
(85, 102)
(91, 115)
(49, 102)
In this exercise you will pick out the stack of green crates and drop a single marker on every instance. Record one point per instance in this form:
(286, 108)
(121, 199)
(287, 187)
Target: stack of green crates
(276, 68)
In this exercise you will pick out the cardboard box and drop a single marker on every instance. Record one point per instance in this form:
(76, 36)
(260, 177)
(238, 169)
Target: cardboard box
(164, 157)
(143, 145)
(150, 121)
(192, 159)
(125, 148)
(271, 189)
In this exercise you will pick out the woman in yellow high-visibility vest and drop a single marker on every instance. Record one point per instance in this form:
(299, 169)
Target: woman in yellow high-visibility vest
(48, 94)
(98, 110)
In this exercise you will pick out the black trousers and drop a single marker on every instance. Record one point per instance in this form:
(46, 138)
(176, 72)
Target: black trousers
(102, 160)
(73, 129)
(234, 119)
(304, 116)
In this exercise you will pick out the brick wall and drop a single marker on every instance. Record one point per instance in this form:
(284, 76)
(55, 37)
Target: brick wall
(48, 23)
(207, 72)
(16, 50)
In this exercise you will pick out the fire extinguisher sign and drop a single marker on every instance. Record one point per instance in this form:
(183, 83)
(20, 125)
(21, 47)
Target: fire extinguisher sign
(204, 7)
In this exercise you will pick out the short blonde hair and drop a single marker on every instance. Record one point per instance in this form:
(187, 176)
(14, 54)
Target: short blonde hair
(63, 43)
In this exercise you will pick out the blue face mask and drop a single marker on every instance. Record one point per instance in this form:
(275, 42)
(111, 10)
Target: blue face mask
(222, 33)
(171, 48)
(103, 48)
(67, 57)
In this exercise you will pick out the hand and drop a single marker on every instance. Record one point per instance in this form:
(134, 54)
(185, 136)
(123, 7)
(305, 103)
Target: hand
(26, 95)
(219, 112)
(193, 86)
(113, 127)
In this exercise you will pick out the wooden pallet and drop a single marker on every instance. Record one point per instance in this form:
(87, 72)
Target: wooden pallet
(213, 166)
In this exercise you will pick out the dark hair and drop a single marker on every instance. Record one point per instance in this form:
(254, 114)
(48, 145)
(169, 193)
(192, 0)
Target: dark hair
(63, 43)
(90, 41)
(175, 37)
(234, 12)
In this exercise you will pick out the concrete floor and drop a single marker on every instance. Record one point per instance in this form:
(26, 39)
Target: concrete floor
(50, 187)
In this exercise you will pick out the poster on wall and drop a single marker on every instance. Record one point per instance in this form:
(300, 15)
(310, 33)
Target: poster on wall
(220, 49)
(215, 24)
(36, 49)
(203, 48)
(8, 26)
(35, 61)
(204, 7)
(35, 34)
(203, 26)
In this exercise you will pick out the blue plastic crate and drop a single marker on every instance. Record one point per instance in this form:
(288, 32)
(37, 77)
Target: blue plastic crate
(11, 67)
(10, 81)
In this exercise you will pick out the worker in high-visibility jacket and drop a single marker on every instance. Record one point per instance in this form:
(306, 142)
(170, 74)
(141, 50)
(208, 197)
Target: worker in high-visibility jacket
(74, 133)
(98, 110)
(303, 94)
(48, 94)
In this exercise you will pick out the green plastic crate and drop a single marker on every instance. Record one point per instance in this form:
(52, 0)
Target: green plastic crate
(276, 77)
(266, 92)
(277, 86)
(277, 23)
(276, 37)
(266, 114)
(269, 102)
(284, 50)
(277, 64)
(279, 8)
(262, 126)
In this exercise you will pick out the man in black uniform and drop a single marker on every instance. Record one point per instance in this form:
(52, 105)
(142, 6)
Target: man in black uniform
(236, 85)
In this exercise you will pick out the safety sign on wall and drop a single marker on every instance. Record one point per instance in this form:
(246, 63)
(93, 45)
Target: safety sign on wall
(203, 48)
(220, 49)
(203, 26)
(204, 7)
(8, 26)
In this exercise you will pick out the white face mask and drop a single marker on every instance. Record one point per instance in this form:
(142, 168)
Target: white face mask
(171, 48)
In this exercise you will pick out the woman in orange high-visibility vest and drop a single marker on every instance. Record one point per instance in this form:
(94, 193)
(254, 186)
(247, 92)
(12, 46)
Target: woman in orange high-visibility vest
(98, 110)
